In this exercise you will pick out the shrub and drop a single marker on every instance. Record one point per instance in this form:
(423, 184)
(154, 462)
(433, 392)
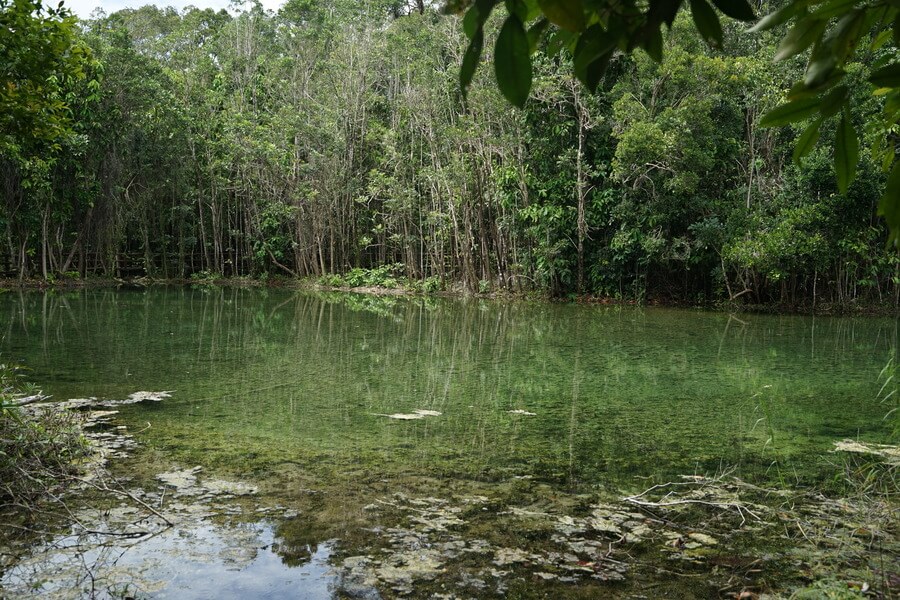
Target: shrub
(38, 446)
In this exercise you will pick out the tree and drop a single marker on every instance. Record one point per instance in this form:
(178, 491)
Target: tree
(830, 32)
(40, 58)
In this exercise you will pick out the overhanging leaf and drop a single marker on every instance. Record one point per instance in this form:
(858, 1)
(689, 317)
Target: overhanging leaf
(807, 141)
(791, 112)
(846, 153)
(663, 11)
(736, 9)
(471, 21)
(800, 37)
(707, 22)
(834, 101)
(568, 14)
(470, 60)
(776, 18)
(889, 205)
(595, 71)
(887, 77)
(653, 44)
(535, 32)
(512, 62)
(592, 44)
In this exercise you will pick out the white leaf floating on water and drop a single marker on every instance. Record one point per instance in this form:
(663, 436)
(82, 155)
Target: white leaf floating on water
(519, 411)
(419, 413)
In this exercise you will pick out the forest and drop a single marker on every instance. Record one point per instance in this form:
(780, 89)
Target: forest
(274, 317)
(333, 136)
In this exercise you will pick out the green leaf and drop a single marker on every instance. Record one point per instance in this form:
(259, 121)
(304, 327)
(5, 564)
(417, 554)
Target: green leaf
(560, 39)
(807, 141)
(846, 153)
(844, 38)
(736, 9)
(663, 11)
(791, 112)
(535, 32)
(512, 62)
(518, 8)
(800, 37)
(653, 44)
(887, 77)
(592, 44)
(595, 71)
(834, 8)
(776, 18)
(887, 157)
(707, 22)
(820, 68)
(484, 9)
(833, 101)
(470, 60)
(471, 22)
(568, 14)
(889, 205)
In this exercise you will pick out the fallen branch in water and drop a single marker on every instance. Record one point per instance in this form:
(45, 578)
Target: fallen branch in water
(16, 402)
(720, 505)
(125, 493)
(702, 491)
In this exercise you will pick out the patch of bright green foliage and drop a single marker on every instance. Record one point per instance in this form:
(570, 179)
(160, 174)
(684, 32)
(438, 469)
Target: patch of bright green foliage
(388, 276)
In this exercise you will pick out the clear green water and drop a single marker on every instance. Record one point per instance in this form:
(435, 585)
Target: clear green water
(265, 376)
(288, 390)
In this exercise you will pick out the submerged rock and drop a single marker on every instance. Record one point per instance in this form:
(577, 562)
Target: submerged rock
(402, 569)
(186, 483)
(356, 579)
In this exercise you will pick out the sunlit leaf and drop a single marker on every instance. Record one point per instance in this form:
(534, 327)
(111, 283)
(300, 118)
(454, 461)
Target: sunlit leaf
(568, 14)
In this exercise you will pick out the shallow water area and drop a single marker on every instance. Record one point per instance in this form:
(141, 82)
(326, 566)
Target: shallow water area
(200, 560)
(354, 446)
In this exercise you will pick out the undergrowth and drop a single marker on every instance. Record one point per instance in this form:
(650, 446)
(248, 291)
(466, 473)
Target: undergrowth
(38, 447)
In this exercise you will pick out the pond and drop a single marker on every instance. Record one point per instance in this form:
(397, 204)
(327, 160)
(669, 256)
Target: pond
(534, 407)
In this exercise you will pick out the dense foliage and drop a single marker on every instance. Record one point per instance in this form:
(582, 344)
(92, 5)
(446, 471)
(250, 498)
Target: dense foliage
(333, 136)
(832, 32)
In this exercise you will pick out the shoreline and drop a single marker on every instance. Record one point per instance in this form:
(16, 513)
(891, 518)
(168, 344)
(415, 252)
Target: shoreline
(455, 292)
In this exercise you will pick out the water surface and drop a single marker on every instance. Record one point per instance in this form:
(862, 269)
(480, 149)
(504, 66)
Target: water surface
(289, 390)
